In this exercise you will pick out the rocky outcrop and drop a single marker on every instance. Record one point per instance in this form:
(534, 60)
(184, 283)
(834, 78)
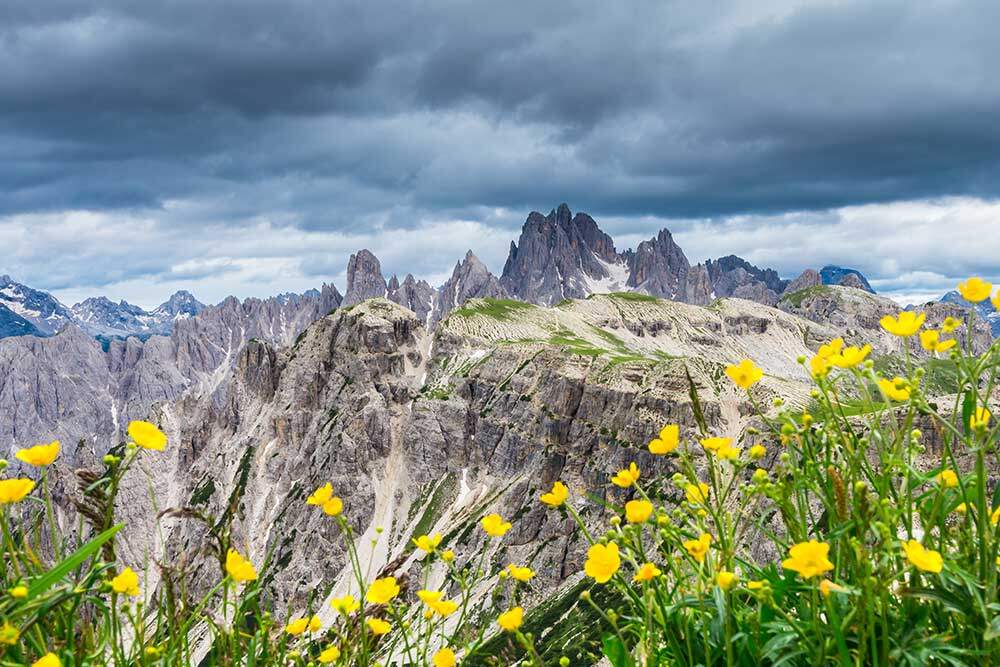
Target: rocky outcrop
(364, 278)
(41, 309)
(808, 278)
(835, 275)
(469, 280)
(414, 294)
(659, 268)
(853, 281)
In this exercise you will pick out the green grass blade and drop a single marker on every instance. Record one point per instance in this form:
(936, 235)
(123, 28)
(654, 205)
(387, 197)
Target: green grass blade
(71, 562)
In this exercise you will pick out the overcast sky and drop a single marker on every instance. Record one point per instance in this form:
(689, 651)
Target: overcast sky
(249, 147)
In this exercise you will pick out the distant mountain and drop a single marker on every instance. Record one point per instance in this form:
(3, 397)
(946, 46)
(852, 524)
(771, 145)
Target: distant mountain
(984, 309)
(41, 309)
(838, 275)
(12, 324)
(100, 316)
(180, 306)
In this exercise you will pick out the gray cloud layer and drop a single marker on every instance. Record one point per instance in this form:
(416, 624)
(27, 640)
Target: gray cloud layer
(358, 118)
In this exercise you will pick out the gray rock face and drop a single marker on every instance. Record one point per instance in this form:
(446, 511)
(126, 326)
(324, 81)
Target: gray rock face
(853, 281)
(364, 278)
(558, 257)
(835, 275)
(41, 309)
(659, 268)
(413, 294)
(808, 278)
(470, 280)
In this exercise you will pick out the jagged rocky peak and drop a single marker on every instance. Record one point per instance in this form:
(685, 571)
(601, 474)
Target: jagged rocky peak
(42, 310)
(417, 295)
(808, 278)
(469, 280)
(561, 256)
(364, 278)
(733, 276)
(180, 305)
(836, 275)
(660, 268)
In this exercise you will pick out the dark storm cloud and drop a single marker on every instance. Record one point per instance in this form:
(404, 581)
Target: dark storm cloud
(362, 117)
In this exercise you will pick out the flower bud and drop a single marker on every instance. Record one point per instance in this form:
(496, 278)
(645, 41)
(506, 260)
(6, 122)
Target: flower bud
(564, 662)
(616, 521)
(801, 359)
(3, 464)
(778, 402)
(585, 596)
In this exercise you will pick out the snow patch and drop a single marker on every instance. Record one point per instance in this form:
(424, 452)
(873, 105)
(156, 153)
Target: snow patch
(614, 282)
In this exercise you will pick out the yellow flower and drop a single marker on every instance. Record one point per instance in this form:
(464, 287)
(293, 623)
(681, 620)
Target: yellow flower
(378, 626)
(382, 590)
(447, 555)
(428, 543)
(147, 435)
(627, 477)
(345, 605)
(755, 585)
(39, 455)
(980, 419)
(819, 366)
(14, 490)
(895, 389)
(757, 452)
(667, 442)
(647, 572)
(9, 634)
(905, 325)
(995, 516)
(922, 558)
(47, 660)
(557, 496)
(947, 478)
(300, 625)
(826, 587)
(521, 573)
(19, 592)
(239, 568)
(950, 324)
(725, 579)
(809, 559)
(931, 341)
(494, 525)
(433, 599)
(444, 658)
(962, 508)
(637, 511)
(834, 347)
(851, 356)
(511, 619)
(698, 549)
(715, 444)
(126, 583)
(728, 453)
(745, 374)
(329, 654)
(697, 495)
(320, 495)
(975, 289)
(333, 507)
(602, 562)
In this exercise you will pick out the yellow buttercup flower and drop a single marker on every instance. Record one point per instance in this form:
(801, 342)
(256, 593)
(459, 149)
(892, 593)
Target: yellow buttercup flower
(962, 508)
(697, 495)
(48, 660)
(557, 496)
(826, 587)
(434, 601)
(667, 441)
(995, 516)
(238, 567)
(757, 452)
(895, 389)
(819, 366)
(602, 562)
(444, 657)
(428, 543)
(19, 592)
(300, 625)
(931, 341)
(147, 435)
(511, 619)
(975, 289)
(728, 453)
(9, 634)
(947, 479)
(377, 626)
(320, 495)
(523, 574)
(494, 525)
(627, 477)
(745, 374)
(950, 323)
(698, 548)
(809, 559)
(647, 572)
(39, 455)
(726, 579)
(980, 419)
(329, 654)
(382, 590)
(922, 558)
(715, 444)
(755, 585)
(14, 490)
(850, 357)
(447, 555)
(904, 325)
(345, 605)
(126, 583)
(637, 511)
(333, 507)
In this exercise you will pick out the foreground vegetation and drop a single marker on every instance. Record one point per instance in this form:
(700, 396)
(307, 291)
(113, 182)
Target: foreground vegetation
(871, 539)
